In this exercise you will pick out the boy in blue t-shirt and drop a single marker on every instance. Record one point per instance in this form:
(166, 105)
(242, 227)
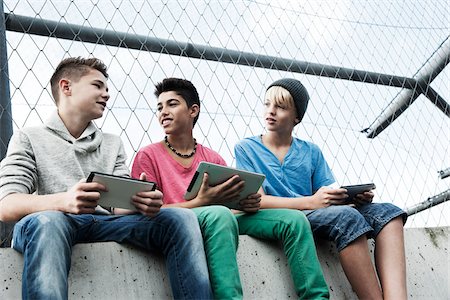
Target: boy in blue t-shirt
(298, 177)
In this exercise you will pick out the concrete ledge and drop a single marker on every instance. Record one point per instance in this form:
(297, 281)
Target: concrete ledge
(110, 270)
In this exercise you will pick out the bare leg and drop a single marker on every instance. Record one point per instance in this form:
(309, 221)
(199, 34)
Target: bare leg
(358, 268)
(390, 260)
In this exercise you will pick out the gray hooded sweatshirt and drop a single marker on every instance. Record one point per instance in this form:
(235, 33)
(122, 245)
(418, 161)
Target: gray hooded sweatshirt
(47, 159)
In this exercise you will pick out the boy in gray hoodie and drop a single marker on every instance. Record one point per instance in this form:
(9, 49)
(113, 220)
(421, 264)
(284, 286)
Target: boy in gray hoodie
(43, 187)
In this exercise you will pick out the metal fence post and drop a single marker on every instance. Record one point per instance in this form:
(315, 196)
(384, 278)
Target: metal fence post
(5, 115)
(5, 99)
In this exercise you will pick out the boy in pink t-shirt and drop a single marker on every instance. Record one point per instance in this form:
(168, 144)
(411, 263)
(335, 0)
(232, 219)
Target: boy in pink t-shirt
(172, 162)
(170, 176)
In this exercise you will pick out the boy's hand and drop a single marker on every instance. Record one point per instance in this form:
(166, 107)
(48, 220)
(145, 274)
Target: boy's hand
(221, 193)
(148, 203)
(326, 196)
(251, 204)
(82, 198)
(364, 198)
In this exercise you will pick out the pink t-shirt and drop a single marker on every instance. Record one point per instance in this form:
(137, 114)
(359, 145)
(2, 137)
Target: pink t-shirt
(171, 177)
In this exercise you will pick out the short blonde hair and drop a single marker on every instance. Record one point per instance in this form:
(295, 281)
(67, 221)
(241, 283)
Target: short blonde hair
(280, 96)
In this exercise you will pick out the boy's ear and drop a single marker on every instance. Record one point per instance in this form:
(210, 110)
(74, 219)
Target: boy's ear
(64, 86)
(194, 110)
(296, 121)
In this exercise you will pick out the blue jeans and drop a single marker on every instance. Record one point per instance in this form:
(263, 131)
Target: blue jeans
(343, 224)
(46, 240)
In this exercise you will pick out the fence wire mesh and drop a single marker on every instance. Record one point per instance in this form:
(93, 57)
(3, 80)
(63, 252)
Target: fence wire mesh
(396, 37)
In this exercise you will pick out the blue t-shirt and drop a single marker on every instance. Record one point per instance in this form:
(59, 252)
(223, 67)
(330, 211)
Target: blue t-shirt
(303, 171)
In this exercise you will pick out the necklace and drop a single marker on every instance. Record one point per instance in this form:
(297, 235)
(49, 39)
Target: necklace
(178, 153)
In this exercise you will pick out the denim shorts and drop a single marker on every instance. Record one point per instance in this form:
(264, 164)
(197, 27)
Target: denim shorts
(343, 224)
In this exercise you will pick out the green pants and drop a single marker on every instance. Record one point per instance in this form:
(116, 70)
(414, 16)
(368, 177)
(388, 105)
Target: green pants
(220, 229)
(220, 236)
(292, 229)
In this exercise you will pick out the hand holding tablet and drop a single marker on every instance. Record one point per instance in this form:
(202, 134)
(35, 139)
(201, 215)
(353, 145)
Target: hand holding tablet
(120, 189)
(218, 174)
(353, 190)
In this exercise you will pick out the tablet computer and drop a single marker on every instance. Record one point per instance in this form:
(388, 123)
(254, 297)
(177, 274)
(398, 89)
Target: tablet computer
(120, 189)
(353, 190)
(219, 174)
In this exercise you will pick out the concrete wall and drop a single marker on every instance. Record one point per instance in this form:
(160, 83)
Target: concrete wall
(112, 271)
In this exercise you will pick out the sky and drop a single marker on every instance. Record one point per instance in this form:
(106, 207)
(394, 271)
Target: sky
(390, 37)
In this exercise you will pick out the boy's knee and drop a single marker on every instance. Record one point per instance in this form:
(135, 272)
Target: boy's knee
(296, 215)
(179, 220)
(349, 214)
(43, 228)
(341, 214)
(219, 212)
(289, 216)
(296, 220)
(219, 217)
(178, 215)
(50, 219)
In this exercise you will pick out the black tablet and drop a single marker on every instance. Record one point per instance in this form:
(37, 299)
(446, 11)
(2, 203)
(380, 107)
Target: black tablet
(219, 174)
(353, 190)
(120, 189)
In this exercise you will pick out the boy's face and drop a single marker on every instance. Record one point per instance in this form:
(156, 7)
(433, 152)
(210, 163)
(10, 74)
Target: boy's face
(86, 97)
(279, 116)
(173, 113)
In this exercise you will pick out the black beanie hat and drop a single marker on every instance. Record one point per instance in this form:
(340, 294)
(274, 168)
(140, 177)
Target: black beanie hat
(298, 93)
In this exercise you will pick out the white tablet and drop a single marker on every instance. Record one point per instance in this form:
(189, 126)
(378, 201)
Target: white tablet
(120, 189)
(219, 174)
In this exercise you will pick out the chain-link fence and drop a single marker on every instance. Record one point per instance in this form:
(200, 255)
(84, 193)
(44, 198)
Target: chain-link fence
(376, 72)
